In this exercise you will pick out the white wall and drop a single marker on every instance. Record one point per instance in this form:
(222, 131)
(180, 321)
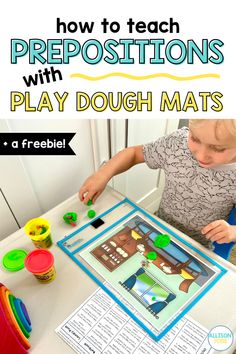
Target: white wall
(9, 226)
(55, 178)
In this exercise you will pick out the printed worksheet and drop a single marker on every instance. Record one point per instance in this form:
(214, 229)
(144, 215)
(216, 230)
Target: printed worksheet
(100, 326)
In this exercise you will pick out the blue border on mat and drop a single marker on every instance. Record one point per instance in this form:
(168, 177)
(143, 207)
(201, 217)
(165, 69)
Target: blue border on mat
(109, 292)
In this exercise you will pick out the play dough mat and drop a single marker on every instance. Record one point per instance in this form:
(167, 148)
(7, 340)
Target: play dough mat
(155, 274)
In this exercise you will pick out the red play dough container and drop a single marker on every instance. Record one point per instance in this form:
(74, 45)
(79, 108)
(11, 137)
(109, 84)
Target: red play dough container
(40, 263)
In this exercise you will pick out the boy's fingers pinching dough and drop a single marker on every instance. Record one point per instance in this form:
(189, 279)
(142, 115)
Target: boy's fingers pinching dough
(85, 195)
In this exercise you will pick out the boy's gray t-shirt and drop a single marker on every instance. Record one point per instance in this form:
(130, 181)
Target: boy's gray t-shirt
(193, 196)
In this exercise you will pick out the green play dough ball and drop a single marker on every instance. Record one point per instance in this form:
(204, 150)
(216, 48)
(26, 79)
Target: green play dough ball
(90, 202)
(162, 241)
(91, 214)
(152, 256)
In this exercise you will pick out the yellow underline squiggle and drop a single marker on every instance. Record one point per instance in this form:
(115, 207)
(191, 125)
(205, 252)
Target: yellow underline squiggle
(145, 77)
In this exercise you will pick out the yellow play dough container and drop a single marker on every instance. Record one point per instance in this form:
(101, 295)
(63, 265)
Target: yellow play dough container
(39, 231)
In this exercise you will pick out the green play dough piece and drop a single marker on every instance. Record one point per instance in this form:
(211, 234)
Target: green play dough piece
(90, 202)
(14, 260)
(91, 213)
(152, 256)
(43, 229)
(72, 217)
(154, 298)
(162, 241)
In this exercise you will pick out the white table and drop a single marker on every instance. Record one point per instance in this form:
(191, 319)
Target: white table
(49, 304)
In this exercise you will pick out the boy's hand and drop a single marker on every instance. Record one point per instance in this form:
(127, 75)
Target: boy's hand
(93, 187)
(121, 162)
(220, 231)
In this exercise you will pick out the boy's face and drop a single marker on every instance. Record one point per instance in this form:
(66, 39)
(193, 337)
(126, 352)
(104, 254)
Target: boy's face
(211, 144)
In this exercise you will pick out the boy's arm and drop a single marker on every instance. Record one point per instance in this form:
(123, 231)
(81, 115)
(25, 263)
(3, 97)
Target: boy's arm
(121, 162)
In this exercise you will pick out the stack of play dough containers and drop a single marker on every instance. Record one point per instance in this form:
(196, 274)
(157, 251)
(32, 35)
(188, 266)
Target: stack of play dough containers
(15, 325)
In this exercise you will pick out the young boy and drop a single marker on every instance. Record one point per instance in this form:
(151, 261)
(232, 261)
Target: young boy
(200, 177)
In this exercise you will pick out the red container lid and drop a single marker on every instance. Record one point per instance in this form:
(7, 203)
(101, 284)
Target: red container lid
(39, 261)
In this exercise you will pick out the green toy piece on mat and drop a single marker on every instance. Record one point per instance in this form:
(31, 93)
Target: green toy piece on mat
(162, 240)
(70, 218)
(91, 213)
(151, 255)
